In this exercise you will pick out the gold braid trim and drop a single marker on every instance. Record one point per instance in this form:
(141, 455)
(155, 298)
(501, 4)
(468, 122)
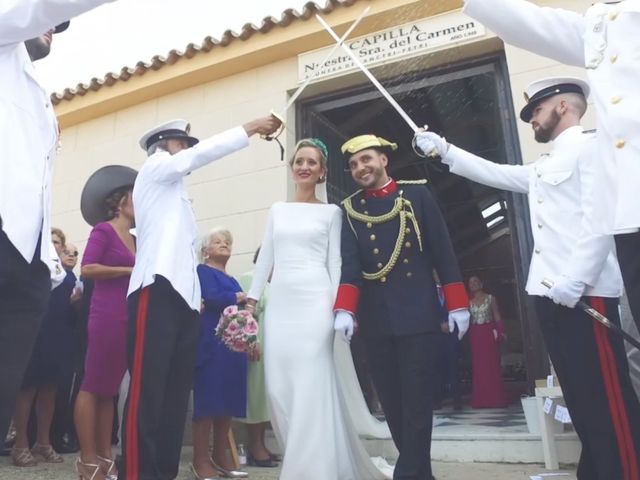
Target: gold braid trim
(361, 217)
(401, 208)
(423, 181)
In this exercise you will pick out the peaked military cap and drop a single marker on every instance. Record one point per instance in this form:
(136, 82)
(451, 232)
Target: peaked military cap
(167, 130)
(549, 87)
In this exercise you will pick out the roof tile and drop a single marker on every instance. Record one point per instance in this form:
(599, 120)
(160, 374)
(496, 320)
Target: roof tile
(157, 62)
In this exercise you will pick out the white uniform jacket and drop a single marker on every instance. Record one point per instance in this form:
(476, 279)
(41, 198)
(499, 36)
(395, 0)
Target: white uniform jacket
(606, 41)
(166, 229)
(563, 244)
(28, 127)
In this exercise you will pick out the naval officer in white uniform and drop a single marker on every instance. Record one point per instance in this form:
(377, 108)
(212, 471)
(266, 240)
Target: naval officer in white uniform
(29, 138)
(589, 360)
(164, 294)
(605, 41)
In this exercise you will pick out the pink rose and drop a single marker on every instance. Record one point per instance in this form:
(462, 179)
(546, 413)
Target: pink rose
(251, 328)
(232, 328)
(230, 310)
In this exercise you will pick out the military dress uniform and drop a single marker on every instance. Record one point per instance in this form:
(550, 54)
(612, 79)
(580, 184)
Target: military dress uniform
(392, 241)
(29, 138)
(588, 358)
(605, 41)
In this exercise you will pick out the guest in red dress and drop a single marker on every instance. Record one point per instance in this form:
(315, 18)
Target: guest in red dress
(486, 333)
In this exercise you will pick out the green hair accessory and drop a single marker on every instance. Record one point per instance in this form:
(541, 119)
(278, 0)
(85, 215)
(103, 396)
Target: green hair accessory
(321, 146)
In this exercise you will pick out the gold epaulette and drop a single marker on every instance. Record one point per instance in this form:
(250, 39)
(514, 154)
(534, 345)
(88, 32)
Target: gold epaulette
(422, 181)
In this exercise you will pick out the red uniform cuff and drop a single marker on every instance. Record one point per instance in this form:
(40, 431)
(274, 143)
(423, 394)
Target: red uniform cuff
(347, 298)
(455, 296)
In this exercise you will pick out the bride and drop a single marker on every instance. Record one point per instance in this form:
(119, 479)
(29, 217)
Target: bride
(315, 409)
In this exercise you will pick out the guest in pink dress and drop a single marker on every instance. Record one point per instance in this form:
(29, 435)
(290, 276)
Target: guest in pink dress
(108, 260)
(486, 333)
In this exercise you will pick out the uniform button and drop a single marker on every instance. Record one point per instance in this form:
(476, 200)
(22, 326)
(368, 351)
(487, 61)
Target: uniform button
(620, 143)
(409, 274)
(362, 201)
(372, 237)
(613, 58)
(366, 213)
(376, 251)
(539, 175)
(537, 250)
(405, 261)
(407, 244)
(409, 215)
(380, 265)
(615, 100)
(46, 105)
(540, 200)
(539, 225)
(369, 225)
(408, 230)
(613, 15)
(383, 279)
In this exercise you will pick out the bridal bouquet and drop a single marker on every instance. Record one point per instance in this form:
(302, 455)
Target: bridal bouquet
(237, 329)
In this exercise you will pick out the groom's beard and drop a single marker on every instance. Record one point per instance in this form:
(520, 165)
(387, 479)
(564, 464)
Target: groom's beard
(37, 48)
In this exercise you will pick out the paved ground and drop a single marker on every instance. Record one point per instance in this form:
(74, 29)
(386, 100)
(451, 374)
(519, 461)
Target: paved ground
(443, 471)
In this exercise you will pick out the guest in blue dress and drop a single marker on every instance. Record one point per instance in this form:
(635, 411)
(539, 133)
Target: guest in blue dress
(220, 383)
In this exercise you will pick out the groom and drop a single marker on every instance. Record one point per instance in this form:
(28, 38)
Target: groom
(393, 239)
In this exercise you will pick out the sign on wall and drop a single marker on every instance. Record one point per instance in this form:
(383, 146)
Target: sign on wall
(395, 43)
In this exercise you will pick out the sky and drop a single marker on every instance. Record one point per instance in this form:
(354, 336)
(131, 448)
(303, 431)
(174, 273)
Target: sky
(127, 31)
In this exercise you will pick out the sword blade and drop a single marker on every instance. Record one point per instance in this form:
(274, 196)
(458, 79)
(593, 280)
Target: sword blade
(370, 76)
(593, 313)
(341, 40)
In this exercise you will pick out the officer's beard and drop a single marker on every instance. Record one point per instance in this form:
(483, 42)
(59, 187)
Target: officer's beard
(544, 133)
(37, 48)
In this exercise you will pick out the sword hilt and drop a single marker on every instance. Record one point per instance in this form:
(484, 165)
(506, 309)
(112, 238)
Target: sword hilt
(278, 132)
(418, 151)
(584, 306)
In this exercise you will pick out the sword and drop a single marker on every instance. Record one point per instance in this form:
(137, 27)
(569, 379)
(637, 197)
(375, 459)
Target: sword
(593, 313)
(280, 115)
(405, 116)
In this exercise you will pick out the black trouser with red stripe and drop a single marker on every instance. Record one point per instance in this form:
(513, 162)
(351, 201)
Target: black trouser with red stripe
(628, 251)
(592, 368)
(161, 345)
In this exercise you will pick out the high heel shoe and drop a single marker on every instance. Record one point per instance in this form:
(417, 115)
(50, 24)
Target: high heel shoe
(22, 457)
(266, 463)
(88, 471)
(108, 467)
(46, 452)
(229, 473)
(196, 476)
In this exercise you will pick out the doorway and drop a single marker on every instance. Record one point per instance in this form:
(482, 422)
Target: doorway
(470, 104)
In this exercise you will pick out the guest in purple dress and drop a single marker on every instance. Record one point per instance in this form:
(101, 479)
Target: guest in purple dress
(108, 260)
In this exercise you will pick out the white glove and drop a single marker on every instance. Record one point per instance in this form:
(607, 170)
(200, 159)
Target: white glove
(343, 324)
(461, 319)
(566, 291)
(432, 144)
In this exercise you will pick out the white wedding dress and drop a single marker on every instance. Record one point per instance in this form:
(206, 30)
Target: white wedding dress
(316, 405)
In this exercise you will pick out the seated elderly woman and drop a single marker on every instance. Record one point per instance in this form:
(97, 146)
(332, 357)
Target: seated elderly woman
(220, 381)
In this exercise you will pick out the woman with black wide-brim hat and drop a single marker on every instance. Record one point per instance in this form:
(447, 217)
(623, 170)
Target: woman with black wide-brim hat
(108, 260)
